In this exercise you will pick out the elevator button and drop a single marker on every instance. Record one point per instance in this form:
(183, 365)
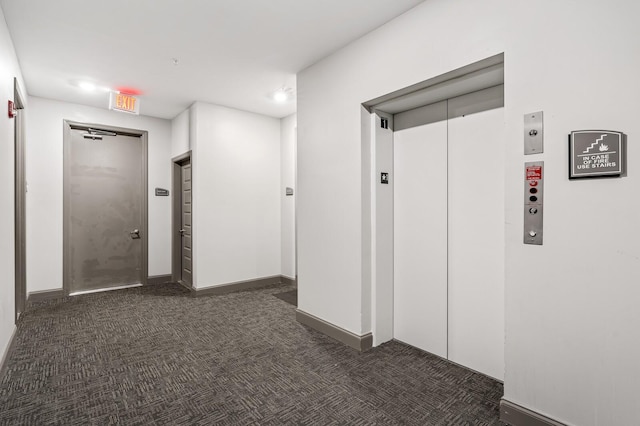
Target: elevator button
(533, 233)
(533, 198)
(533, 190)
(533, 183)
(533, 210)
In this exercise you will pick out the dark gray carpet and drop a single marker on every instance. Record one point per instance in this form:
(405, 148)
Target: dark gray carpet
(154, 355)
(289, 296)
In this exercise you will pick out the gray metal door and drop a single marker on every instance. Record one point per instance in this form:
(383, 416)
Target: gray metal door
(104, 210)
(185, 230)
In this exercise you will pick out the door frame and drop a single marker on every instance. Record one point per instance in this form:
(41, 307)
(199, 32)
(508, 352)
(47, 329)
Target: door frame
(176, 216)
(66, 251)
(20, 203)
(377, 254)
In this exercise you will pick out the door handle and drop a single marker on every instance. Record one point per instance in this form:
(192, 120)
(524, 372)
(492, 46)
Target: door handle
(135, 234)
(181, 232)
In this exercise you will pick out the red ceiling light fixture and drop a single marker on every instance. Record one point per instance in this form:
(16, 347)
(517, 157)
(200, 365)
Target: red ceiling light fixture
(125, 90)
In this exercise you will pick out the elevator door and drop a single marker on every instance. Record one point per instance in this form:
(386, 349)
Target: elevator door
(449, 230)
(476, 234)
(104, 217)
(420, 234)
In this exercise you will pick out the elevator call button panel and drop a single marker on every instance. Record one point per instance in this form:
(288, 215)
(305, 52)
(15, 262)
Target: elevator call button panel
(533, 191)
(533, 133)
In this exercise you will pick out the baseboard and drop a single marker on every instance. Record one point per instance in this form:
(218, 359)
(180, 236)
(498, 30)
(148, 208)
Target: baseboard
(288, 280)
(159, 279)
(7, 353)
(39, 296)
(236, 286)
(516, 415)
(360, 343)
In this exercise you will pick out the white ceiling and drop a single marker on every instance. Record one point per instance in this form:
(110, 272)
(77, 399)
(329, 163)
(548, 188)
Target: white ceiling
(230, 52)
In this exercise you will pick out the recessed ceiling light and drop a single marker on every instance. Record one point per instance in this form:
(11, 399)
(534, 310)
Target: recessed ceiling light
(282, 95)
(85, 85)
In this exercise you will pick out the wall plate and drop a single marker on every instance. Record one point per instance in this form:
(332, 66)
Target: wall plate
(533, 133)
(533, 197)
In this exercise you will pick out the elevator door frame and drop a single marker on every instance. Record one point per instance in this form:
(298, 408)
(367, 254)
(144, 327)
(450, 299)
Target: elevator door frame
(377, 251)
(144, 237)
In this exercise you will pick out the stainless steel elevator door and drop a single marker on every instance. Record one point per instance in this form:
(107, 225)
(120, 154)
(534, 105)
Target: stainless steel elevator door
(185, 230)
(105, 196)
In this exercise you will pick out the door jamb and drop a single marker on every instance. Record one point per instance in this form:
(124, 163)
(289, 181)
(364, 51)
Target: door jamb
(176, 212)
(295, 204)
(144, 135)
(19, 203)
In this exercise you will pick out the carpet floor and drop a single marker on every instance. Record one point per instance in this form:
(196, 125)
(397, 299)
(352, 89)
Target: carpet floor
(155, 355)
(290, 296)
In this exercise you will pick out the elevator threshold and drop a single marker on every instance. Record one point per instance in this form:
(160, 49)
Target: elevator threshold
(122, 287)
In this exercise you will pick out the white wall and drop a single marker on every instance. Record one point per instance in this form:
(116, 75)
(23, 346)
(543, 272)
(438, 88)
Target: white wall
(571, 315)
(288, 204)
(45, 189)
(570, 351)
(180, 134)
(9, 69)
(236, 185)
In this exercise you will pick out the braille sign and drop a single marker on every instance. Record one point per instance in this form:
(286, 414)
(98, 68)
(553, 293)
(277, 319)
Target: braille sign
(595, 153)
